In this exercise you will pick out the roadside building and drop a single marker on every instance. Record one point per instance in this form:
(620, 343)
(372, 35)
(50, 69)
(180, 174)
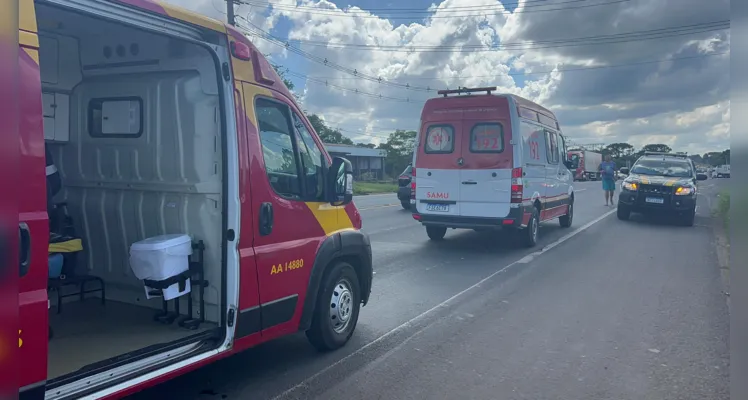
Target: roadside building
(368, 164)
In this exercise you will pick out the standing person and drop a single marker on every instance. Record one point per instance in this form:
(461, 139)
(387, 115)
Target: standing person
(607, 171)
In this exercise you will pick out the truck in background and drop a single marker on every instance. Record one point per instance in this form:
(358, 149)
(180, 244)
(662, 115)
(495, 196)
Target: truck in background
(584, 164)
(723, 171)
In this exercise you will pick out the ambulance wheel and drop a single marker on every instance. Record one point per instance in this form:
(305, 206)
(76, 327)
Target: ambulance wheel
(529, 235)
(436, 232)
(566, 220)
(338, 305)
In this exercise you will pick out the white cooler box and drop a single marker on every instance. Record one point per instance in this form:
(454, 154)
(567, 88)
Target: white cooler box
(162, 257)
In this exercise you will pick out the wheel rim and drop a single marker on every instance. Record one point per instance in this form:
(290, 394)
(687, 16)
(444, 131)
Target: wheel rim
(571, 211)
(341, 306)
(534, 228)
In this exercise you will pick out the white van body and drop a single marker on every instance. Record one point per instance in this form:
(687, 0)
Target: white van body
(488, 161)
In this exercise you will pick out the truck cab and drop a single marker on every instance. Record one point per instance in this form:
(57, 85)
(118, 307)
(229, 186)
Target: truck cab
(170, 133)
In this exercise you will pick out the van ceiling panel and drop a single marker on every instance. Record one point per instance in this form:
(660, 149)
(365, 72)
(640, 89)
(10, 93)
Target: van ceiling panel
(109, 10)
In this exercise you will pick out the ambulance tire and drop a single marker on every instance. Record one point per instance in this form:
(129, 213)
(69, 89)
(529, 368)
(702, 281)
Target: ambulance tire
(436, 232)
(566, 220)
(529, 235)
(340, 290)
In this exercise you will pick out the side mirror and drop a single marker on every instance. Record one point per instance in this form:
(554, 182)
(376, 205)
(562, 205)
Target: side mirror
(340, 182)
(701, 177)
(624, 170)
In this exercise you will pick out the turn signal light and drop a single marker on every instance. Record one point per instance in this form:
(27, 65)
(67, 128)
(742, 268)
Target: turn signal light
(683, 190)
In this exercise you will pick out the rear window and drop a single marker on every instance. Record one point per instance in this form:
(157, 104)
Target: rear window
(487, 138)
(440, 139)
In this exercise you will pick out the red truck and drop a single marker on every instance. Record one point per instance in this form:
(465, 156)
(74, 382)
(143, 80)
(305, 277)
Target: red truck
(173, 136)
(584, 164)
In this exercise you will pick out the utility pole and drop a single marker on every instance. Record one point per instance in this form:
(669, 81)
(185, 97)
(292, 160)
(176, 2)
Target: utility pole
(230, 12)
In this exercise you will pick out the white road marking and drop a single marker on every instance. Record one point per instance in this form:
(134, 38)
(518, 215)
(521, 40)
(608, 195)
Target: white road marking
(363, 196)
(380, 206)
(443, 304)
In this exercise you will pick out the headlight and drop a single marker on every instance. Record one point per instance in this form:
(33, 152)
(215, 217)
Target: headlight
(684, 190)
(630, 186)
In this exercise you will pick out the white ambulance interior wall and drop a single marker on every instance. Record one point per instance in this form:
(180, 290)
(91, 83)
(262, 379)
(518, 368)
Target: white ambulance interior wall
(156, 166)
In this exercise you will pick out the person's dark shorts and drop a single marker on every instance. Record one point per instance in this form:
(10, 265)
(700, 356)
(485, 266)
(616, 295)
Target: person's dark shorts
(609, 185)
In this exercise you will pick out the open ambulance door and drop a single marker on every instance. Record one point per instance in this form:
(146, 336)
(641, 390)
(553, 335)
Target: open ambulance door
(32, 214)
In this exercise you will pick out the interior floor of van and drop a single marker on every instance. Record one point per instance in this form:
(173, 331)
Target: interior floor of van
(133, 123)
(88, 332)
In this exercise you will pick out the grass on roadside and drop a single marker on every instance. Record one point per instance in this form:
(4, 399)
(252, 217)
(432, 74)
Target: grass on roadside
(360, 188)
(723, 207)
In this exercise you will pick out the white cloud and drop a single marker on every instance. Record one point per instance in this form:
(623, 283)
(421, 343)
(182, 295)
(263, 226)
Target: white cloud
(683, 102)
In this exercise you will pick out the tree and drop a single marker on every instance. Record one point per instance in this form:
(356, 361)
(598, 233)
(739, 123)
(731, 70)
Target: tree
(660, 148)
(715, 158)
(697, 159)
(282, 73)
(399, 145)
(327, 134)
(619, 150)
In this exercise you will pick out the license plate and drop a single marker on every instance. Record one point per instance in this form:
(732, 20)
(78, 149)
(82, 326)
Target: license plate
(437, 207)
(655, 200)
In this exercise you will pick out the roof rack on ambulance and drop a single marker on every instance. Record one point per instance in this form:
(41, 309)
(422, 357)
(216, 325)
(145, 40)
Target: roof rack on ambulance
(488, 90)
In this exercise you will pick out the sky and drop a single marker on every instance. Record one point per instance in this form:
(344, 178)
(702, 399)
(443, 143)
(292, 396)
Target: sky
(635, 71)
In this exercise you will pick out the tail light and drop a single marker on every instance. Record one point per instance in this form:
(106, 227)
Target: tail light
(413, 184)
(517, 185)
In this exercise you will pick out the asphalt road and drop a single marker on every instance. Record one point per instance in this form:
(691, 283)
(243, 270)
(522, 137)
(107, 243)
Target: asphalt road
(604, 310)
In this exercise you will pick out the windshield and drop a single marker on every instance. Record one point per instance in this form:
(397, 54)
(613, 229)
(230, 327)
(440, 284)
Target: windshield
(671, 168)
(574, 158)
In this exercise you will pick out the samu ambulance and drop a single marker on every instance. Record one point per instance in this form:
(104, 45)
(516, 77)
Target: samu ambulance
(487, 161)
(175, 140)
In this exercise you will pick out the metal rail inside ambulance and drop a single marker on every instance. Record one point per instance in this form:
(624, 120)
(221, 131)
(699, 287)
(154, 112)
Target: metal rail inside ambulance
(194, 212)
(485, 161)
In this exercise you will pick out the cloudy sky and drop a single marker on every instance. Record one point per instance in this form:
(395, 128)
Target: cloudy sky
(636, 71)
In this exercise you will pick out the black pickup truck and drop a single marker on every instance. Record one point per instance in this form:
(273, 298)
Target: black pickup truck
(403, 189)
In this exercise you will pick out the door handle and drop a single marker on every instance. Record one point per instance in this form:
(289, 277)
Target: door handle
(469, 183)
(24, 245)
(266, 219)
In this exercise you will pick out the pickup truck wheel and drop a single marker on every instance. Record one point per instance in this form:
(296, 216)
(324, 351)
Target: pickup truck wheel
(566, 220)
(338, 306)
(529, 235)
(405, 204)
(436, 232)
(688, 218)
(622, 212)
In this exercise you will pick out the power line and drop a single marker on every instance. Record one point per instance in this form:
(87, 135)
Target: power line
(424, 10)
(652, 34)
(325, 80)
(356, 91)
(549, 71)
(354, 72)
(364, 14)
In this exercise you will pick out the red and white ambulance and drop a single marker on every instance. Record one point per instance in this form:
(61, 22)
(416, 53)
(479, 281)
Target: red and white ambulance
(173, 136)
(485, 161)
